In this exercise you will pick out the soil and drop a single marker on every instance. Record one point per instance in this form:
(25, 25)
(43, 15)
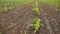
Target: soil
(15, 22)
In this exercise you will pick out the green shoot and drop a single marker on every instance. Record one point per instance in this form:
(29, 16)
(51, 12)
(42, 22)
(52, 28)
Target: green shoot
(1, 9)
(5, 9)
(36, 9)
(11, 8)
(37, 24)
(36, 5)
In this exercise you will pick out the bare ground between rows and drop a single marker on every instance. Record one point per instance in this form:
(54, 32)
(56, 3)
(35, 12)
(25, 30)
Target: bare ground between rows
(51, 15)
(15, 22)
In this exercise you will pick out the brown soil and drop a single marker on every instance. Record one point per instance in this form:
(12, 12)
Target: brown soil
(15, 22)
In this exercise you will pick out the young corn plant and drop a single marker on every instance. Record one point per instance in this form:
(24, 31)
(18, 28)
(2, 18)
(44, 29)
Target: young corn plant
(1, 9)
(11, 8)
(5, 9)
(36, 24)
(36, 8)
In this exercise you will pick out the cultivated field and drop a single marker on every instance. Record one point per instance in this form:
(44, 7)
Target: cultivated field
(30, 17)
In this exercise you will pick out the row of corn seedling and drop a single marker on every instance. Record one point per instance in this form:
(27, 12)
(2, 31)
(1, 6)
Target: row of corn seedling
(36, 21)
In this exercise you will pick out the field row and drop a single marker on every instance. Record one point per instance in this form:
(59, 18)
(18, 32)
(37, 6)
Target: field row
(52, 2)
(11, 5)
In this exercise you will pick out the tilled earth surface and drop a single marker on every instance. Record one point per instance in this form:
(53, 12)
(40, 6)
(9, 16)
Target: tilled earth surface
(15, 22)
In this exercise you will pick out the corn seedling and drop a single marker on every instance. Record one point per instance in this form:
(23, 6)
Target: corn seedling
(36, 24)
(11, 8)
(36, 8)
(1, 9)
(5, 9)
